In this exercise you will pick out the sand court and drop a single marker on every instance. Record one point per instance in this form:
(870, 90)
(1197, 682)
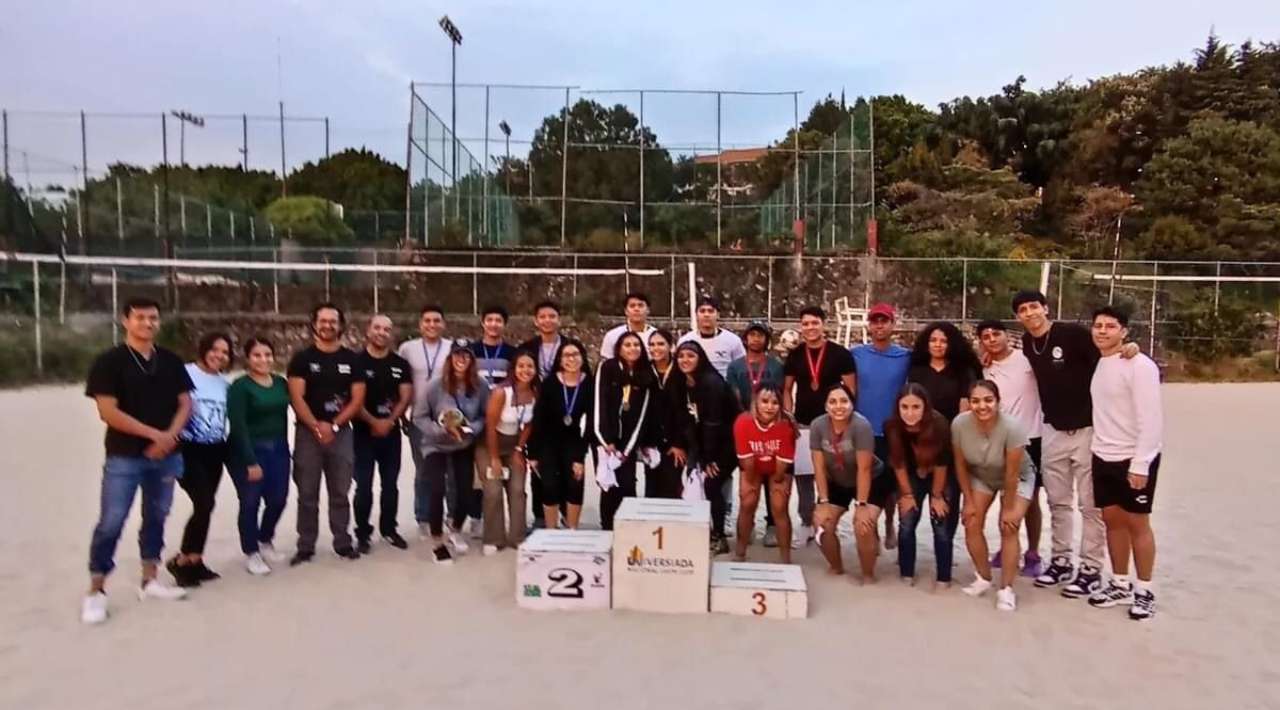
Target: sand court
(393, 630)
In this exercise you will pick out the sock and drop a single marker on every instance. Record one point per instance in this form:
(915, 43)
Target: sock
(1143, 585)
(1122, 580)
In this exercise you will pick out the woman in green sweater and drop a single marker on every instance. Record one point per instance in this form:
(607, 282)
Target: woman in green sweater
(258, 407)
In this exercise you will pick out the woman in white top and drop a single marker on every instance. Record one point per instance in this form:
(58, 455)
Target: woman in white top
(501, 458)
(204, 453)
(991, 460)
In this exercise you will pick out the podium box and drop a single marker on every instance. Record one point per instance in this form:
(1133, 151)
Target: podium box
(770, 591)
(564, 569)
(661, 555)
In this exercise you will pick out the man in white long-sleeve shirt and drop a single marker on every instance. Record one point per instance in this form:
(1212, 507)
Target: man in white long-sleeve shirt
(1127, 430)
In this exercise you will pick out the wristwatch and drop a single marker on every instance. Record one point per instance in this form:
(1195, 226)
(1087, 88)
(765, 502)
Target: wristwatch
(859, 503)
(824, 500)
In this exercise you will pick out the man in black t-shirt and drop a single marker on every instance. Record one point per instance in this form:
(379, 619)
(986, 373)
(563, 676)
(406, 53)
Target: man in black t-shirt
(811, 369)
(1063, 358)
(326, 389)
(142, 395)
(388, 392)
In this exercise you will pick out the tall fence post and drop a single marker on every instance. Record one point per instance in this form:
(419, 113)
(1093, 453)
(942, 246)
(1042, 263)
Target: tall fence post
(484, 172)
(1217, 286)
(642, 171)
(275, 277)
(155, 199)
(1062, 286)
(964, 290)
(231, 216)
(1155, 290)
(327, 297)
(575, 286)
(115, 306)
(564, 172)
(672, 271)
(62, 292)
(208, 221)
(768, 306)
(82, 202)
(375, 281)
(719, 174)
(475, 287)
(35, 290)
(119, 211)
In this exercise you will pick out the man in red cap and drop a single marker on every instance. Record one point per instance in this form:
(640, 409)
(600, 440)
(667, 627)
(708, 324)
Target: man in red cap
(882, 371)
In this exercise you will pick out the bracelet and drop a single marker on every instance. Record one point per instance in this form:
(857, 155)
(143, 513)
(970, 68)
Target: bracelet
(824, 501)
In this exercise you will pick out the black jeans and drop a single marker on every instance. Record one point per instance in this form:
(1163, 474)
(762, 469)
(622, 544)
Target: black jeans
(384, 452)
(663, 481)
(438, 466)
(944, 529)
(201, 473)
(715, 490)
(611, 499)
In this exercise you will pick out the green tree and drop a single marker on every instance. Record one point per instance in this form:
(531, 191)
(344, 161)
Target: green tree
(312, 221)
(1223, 177)
(357, 179)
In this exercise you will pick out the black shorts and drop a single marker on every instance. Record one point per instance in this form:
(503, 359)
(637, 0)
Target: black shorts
(555, 472)
(882, 486)
(1111, 486)
(1033, 453)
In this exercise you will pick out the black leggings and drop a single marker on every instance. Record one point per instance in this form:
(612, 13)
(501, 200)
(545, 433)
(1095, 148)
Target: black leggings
(460, 467)
(555, 476)
(714, 489)
(663, 481)
(611, 499)
(201, 473)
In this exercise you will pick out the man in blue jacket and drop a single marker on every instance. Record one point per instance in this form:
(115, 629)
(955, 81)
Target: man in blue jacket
(882, 371)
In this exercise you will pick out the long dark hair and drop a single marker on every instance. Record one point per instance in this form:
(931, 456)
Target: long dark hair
(557, 364)
(535, 385)
(642, 374)
(450, 380)
(928, 449)
(960, 355)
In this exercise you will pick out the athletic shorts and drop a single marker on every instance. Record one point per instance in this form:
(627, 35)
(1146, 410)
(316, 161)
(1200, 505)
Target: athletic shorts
(1111, 486)
(1026, 488)
(882, 486)
(1033, 453)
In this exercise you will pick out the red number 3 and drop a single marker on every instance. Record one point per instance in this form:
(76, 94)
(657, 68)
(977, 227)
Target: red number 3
(760, 609)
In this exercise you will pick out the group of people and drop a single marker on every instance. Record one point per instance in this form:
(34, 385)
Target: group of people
(874, 431)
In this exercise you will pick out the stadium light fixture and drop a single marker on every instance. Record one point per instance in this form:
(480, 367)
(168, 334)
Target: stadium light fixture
(455, 39)
(506, 131)
(185, 117)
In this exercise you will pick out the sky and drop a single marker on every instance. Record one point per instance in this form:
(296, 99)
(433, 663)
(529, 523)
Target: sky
(127, 62)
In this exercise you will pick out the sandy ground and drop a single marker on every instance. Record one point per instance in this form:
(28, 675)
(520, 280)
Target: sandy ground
(393, 630)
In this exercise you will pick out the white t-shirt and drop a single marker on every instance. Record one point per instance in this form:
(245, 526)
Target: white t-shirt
(208, 422)
(722, 348)
(611, 339)
(1019, 394)
(1128, 423)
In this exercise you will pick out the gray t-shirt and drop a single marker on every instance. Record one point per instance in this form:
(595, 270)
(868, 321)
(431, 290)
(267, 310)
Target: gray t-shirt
(985, 452)
(857, 437)
(428, 363)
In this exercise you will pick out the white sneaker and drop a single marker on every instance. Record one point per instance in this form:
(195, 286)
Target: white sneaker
(978, 587)
(424, 532)
(802, 536)
(93, 610)
(269, 552)
(1006, 600)
(459, 541)
(155, 589)
(256, 565)
(490, 550)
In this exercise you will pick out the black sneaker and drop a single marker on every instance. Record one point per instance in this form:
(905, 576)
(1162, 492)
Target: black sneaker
(719, 546)
(301, 557)
(393, 539)
(347, 553)
(1111, 595)
(1058, 571)
(441, 555)
(1088, 581)
(204, 574)
(363, 546)
(1143, 607)
(183, 575)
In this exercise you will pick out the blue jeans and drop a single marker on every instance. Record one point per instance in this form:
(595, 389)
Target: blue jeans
(944, 529)
(385, 453)
(122, 476)
(267, 495)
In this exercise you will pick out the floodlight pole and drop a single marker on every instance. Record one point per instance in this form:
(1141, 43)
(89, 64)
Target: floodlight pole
(455, 39)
